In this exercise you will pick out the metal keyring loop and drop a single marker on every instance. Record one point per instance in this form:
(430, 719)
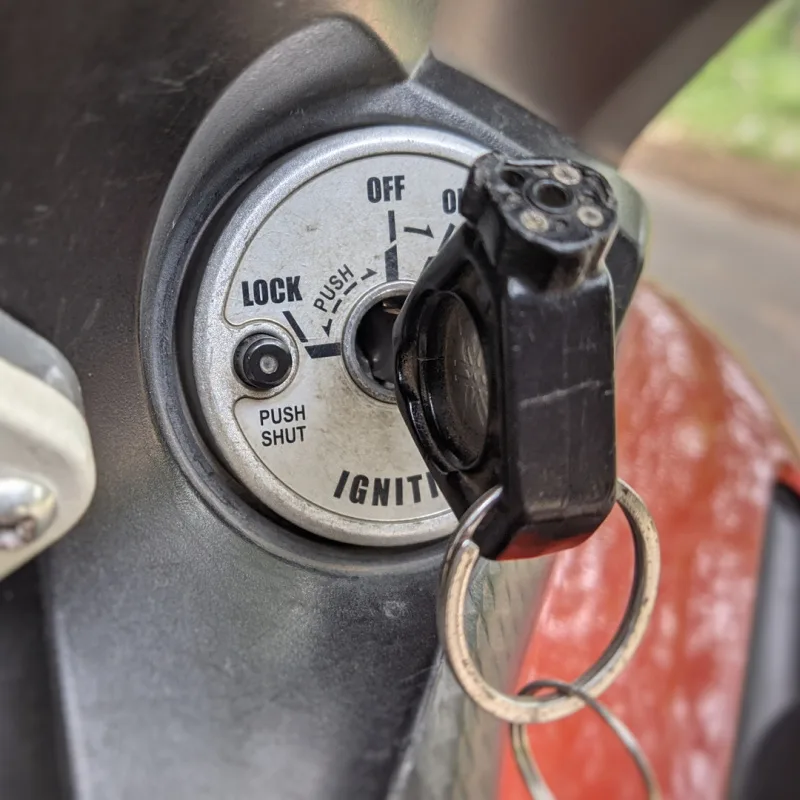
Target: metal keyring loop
(459, 564)
(539, 790)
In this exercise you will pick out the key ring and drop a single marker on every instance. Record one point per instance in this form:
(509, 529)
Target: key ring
(459, 564)
(534, 781)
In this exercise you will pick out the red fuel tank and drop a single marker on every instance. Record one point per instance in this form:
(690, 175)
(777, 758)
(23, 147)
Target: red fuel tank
(701, 444)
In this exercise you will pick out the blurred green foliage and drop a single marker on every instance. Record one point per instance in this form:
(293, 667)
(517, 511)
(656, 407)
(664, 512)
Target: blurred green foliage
(747, 98)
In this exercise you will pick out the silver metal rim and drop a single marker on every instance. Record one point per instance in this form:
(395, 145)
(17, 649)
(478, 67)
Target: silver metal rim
(535, 783)
(460, 561)
(217, 386)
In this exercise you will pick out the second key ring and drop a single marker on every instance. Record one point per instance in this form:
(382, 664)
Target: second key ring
(459, 564)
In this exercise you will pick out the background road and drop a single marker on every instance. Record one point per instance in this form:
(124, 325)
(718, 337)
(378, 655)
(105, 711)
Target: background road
(739, 273)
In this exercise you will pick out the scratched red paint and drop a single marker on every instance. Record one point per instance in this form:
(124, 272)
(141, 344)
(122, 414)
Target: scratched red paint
(700, 443)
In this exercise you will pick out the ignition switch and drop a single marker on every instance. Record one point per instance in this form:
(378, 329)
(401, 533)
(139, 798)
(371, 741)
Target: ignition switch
(292, 331)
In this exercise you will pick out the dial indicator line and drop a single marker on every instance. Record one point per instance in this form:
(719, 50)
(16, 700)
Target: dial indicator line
(350, 288)
(392, 267)
(392, 227)
(324, 350)
(447, 234)
(294, 326)
(421, 231)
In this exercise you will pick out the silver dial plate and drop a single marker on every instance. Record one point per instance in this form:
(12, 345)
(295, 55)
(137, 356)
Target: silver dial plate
(328, 227)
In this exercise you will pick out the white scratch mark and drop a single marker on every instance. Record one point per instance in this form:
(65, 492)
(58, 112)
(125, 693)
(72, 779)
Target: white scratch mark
(560, 394)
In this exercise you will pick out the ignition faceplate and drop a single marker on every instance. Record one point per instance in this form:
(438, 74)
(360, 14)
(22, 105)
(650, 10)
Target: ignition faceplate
(316, 261)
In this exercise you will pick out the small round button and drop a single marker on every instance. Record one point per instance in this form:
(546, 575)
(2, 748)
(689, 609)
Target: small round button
(262, 361)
